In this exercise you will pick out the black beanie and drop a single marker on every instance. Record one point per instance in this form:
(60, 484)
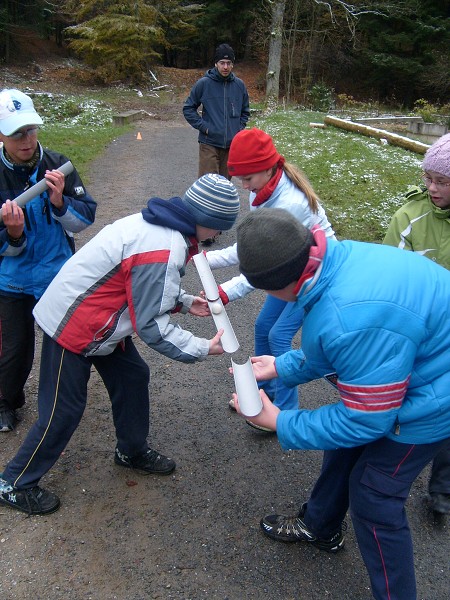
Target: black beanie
(224, 51)
(273, 248)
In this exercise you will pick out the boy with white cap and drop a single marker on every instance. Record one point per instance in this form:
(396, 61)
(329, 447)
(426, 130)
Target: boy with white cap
(125, 280)
(35, 241)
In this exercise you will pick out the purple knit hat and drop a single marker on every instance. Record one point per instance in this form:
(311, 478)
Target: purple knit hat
(437, 157)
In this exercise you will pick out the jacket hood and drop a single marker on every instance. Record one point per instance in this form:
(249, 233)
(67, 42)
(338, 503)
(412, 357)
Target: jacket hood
(335, 254)
(439, 213)
(170, 213)
(420, 193)
(216, 76)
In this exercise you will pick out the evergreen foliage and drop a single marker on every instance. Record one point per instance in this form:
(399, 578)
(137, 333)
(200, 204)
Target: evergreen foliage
(395, 51)
(118, 39)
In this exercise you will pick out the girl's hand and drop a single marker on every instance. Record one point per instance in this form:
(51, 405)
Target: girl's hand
(267, 417)
(264, 367)
(200, 307)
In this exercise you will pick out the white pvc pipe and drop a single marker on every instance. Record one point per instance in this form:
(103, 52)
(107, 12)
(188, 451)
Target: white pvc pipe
(247, 390)
(209, 283)
(228, 340)
(40, 186)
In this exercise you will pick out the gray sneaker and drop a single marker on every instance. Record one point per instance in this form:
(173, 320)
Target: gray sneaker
(150, 462)
(8, 420)
(33, 501)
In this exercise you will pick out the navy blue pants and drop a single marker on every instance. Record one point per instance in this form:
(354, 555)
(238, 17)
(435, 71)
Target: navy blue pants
(62, 399)
(374, 481)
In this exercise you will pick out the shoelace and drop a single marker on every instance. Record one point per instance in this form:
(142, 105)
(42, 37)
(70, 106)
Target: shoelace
(27, 494)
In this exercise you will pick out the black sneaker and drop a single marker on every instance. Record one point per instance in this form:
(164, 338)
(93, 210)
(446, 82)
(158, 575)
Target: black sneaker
(8, 420)
(34, 501)
(440, 503)
(149, 462)
(293, 529)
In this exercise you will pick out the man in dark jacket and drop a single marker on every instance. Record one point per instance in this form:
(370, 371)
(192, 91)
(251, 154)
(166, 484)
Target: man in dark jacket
(34, 241)
(225, 111)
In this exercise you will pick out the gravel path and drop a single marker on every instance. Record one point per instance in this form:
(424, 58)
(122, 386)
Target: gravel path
(193, 535)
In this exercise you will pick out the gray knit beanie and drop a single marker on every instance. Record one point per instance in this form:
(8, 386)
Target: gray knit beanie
(273, 248)
(213, 201)
(437, 157)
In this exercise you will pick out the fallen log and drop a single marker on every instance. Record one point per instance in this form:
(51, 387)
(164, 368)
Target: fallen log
(392, 138)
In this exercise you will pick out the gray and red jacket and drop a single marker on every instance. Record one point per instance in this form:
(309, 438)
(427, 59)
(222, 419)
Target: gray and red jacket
(125, 280)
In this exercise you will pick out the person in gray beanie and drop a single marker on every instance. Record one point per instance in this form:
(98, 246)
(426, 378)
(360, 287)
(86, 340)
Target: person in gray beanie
(275, 265)
(377, 326)
(422, 225)
(124, 281)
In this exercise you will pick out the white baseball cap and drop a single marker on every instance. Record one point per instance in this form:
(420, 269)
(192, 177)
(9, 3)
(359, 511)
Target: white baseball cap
(16, 111)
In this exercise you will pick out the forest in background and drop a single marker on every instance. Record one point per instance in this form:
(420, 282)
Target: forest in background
(393, 52)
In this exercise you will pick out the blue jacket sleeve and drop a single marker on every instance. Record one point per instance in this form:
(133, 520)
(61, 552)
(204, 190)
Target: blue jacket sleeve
(191, 105)
(78, 211)
(373, 370)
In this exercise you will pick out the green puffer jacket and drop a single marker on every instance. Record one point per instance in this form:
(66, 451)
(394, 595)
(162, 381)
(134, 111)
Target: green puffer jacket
(421, 227)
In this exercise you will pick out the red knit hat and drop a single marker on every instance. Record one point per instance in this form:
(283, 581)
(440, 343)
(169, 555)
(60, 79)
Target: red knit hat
(251, 151)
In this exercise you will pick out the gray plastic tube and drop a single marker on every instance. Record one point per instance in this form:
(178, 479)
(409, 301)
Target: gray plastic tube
(40, 186)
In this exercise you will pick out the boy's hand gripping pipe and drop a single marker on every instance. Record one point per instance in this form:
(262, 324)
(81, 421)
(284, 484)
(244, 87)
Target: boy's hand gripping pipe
(221, 320)
(40, 186)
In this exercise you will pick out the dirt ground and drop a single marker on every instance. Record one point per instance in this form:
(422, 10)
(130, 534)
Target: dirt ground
(195, 534)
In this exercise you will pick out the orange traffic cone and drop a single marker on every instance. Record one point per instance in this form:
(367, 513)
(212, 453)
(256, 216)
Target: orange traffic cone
(139, 136)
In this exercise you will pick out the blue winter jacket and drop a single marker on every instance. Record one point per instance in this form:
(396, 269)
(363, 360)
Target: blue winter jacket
(379, 318)
(225, 108)
(29, 266)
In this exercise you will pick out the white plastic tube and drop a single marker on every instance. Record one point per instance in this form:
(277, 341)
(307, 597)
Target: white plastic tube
(209, 283)
(228, 340)
(40, 186)
(247, 390)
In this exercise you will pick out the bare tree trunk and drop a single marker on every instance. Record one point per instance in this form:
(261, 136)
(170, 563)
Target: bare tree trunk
(275, 49)
(291, 43)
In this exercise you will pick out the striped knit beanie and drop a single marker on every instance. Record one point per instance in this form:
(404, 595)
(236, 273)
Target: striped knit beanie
(213, 201)
(437, 157)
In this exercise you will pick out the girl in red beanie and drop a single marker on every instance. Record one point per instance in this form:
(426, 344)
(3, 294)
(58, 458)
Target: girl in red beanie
(273, 183)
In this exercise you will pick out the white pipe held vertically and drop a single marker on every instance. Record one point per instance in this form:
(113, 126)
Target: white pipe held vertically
(228, 340)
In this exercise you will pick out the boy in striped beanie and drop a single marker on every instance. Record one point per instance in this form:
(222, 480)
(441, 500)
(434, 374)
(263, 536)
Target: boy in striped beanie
(124, 281)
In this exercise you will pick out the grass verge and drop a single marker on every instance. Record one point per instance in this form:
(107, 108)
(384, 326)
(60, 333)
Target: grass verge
(360, 181)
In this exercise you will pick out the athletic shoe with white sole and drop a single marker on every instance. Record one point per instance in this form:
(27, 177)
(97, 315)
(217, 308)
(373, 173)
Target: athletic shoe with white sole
(293, 529)
(259, 427)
